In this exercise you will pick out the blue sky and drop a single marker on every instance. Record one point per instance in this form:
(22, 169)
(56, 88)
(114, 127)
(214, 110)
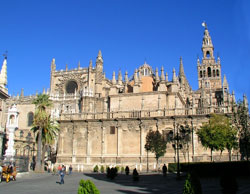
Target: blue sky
(127, 32)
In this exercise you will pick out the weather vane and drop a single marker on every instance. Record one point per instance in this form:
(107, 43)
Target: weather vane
(204, 24)
(5, 54)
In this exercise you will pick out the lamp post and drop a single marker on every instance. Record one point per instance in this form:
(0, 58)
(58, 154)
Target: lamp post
(28, 139)
(147, 149)
(177, 146)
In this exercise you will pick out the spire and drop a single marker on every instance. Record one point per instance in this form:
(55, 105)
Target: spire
(181, 69)
(120, 78)
(90, 64)
(79, 65)
(207, 45)
(162, 74)
(113, 78)
(174, 76)
(43, 90)
(207, 41)
(166, 77)
(99, 57)
(53, 64)
(233, 97)
(225, 83)
(157, 79)
(22, 93)
(126, 77)
(66, 68)
(3, 75)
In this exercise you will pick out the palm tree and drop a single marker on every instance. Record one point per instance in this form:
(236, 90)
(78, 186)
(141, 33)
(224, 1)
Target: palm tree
(40, 122)
(49, 134)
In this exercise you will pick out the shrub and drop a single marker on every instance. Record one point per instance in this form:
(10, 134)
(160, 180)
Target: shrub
(213, 169)
(192, 185)
(117, 168)
(122, 169)
(96, 168)
(87, 187)
(102, 169)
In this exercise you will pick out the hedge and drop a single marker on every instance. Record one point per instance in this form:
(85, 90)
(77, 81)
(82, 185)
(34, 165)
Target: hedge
(204, 169)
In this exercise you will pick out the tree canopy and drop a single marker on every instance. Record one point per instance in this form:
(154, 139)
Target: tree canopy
(218, 134)
(156, 144)
(242, 123)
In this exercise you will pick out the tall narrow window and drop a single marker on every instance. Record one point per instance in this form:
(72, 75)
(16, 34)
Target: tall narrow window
(30, 118)
(200, 74)
(208, 54)
(213, 73)
(209, 72)
(218, 72)
(204, 73)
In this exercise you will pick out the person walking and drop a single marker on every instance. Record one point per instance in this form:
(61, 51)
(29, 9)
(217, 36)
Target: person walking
(59, 169)
(70, 169)
(62, 173)
(164, 170)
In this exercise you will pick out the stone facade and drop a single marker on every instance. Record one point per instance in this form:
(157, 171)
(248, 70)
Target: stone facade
(106, 121)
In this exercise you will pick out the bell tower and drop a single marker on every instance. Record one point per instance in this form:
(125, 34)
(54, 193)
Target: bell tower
(209, 70)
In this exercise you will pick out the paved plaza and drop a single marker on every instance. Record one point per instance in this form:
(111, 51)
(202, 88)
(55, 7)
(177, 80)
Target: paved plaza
(149, 183)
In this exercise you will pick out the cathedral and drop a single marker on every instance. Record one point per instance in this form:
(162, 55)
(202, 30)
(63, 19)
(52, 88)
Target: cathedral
(105, 122)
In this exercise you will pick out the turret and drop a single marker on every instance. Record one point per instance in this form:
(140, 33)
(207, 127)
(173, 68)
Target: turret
(113, 78)
(120, 78)
(162, 74)
(225, 84)
(157, 79)
(174, 79)
(99, 67)
(3, 75)
(53, 65)
(126, 77)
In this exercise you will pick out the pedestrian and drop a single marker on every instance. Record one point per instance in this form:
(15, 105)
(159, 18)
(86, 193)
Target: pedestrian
(127, 170)
(59, 169)
(70, 169)
(135, 175)
(62, 173)
(164, 170)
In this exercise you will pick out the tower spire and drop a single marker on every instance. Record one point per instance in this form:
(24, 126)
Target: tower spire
(181, 69)
(3, 75)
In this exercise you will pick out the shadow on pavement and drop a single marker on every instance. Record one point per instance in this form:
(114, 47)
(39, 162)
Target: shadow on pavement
(148, 183)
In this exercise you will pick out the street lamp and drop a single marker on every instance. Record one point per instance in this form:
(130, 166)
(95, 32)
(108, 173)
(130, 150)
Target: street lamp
(147, 148)
(28, 139)
(177, 146)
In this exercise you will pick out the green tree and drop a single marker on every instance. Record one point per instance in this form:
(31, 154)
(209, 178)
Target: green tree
(40, 122)
(217, 134)
(185, 138)
(156, 144)
(49, 133)
(242, 123)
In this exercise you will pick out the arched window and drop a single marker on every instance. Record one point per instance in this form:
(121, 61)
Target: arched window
(209, 72)
(30, 118)
(12, 119)
(200, 74)
(208, 54)
(213, 73)
(217, 72)
(204, 73)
